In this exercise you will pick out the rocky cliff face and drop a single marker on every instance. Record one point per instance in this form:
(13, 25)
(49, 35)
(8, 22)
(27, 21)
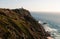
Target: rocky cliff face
(19, 24)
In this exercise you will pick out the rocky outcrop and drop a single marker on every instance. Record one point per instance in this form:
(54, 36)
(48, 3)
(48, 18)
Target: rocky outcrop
(19, 24)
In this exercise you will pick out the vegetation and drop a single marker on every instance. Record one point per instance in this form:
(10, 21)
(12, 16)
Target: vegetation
(19, 24)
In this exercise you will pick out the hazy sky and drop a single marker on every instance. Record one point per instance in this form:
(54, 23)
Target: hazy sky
(32, 5)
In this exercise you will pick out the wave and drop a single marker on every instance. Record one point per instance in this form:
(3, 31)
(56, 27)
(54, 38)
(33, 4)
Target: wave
(54, 32)
(46, 27)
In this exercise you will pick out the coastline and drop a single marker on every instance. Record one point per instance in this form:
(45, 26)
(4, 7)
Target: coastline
(43, 24)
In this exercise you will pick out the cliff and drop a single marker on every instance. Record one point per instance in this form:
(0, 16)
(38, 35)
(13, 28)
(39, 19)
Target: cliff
(19, 24)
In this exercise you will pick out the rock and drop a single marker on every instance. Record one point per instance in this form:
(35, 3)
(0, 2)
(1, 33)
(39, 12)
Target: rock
(19, 24)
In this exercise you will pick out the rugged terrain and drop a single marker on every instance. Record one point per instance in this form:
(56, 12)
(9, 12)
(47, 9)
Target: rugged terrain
(19, 24)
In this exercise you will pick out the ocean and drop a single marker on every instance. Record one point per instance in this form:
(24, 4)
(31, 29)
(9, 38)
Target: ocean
(50, 22)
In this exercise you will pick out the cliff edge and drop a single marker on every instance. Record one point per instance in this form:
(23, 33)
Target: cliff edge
(19, 24)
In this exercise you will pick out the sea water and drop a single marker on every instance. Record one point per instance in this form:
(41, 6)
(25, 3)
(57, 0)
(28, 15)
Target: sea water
(51, 20)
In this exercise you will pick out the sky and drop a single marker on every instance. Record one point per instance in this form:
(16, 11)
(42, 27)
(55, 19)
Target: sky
(32, 5)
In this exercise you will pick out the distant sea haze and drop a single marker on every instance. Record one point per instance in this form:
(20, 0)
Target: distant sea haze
(52, 20)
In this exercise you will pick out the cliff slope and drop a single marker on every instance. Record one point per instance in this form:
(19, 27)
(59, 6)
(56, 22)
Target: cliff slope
(19, 24)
